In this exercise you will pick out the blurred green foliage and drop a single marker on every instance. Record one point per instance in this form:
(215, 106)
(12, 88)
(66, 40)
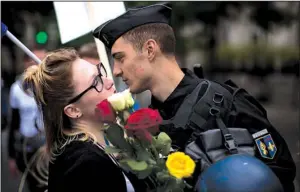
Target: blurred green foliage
(267, 52)
(184, 12)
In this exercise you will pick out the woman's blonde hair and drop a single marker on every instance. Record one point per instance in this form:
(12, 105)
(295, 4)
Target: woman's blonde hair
(52, 87)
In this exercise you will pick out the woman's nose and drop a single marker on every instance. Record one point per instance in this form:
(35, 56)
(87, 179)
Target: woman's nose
(108, 83)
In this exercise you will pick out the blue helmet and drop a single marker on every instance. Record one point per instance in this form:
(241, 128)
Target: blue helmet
(239, 173)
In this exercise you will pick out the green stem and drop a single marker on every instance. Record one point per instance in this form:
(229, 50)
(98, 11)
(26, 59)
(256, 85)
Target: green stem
(156, 154)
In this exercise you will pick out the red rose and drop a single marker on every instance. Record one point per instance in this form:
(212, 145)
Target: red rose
(143, 123)
(106, 112)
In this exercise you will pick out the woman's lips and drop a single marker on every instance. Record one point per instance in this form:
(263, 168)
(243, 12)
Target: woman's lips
(112, 88)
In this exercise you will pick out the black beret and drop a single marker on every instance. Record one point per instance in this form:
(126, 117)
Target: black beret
(111, 30)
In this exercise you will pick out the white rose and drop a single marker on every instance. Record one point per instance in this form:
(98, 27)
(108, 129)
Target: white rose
(128, 98)
(121, 101)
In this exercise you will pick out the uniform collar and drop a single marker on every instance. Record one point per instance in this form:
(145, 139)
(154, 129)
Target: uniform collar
(169, 107)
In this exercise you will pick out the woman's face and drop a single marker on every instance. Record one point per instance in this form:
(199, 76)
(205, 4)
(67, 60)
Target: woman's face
(91, 87)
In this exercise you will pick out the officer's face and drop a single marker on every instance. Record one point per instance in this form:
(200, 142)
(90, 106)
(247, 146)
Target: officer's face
(131, 65)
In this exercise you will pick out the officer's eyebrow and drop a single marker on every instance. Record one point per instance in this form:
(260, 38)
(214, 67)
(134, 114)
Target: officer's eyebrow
(118, 55)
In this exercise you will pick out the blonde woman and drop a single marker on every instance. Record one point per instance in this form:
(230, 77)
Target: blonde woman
(67, 89)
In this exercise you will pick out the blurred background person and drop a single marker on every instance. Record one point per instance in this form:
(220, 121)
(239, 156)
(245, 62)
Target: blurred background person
(25, 128)
(89, 53)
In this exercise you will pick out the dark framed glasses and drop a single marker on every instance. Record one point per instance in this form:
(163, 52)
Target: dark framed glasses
(97, 83)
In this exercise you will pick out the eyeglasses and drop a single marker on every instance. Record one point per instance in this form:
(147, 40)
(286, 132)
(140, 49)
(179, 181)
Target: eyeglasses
(97, 83)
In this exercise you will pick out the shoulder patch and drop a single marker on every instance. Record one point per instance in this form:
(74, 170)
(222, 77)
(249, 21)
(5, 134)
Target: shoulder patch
(266, 146)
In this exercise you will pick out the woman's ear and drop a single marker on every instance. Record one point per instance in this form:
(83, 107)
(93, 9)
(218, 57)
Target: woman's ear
(72, 111)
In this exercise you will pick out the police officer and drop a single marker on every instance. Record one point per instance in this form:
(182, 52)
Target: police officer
(142, 45)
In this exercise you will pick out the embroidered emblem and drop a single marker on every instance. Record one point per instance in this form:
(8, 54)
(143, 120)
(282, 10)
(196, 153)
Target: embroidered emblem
(266, 146)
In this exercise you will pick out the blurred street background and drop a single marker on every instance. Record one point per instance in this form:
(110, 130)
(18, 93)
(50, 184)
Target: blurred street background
(256, 44)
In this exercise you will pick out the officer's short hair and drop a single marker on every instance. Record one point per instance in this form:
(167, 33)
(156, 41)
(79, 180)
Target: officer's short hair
(162, 33)
(89, 50)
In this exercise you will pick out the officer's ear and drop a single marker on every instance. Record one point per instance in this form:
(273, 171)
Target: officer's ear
(150, 48)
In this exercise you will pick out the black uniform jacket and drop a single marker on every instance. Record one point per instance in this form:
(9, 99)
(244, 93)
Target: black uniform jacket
(284, 166)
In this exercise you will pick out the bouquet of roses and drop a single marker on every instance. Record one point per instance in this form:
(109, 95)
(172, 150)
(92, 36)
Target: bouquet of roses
(132, 135)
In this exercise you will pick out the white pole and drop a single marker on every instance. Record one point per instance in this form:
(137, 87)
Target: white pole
(23, 47)
(100, 46)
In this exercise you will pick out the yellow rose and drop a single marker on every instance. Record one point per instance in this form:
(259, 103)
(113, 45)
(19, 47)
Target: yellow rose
(121, 101)
(180, 165)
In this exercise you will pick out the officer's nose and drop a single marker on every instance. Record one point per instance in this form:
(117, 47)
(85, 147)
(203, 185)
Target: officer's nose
(117, 72)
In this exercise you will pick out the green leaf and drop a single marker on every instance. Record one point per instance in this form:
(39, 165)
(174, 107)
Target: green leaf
(180, 183)
(141, 152)
(135, 165)
(162, 177)
(115, 135)
(151, 161)
(145, 173)
(164, 138)
(142, 155)
(161, 164)
(169, 185)
(154, 141)
(177, 189)
(166, 149)
(125, 166)
(110, 150)
(174, 185)
(163, 143)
